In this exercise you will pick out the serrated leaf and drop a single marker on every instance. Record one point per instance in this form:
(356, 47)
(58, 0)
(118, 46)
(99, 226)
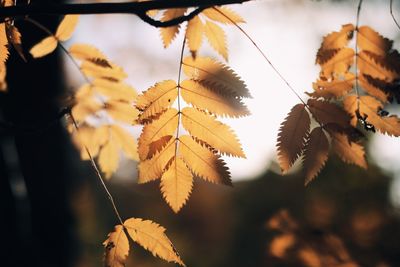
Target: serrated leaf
(368, 108)
(90, 53)
(165, 125)
(151, 236)
(157, 99)
(217, 39)
(121, 111)
(176, 184)
(153, 168)
(93, 70)
(169, 33)
(116, 248)
(370, 85)
(213, 14)
(66, 28)
(202, 97)
(115, 90)
(370, 40)
(44, 47)
(348, 151)
(215, 75)
(194, 34)
(325, 112)
(334, 42)
(109, 158)
(292, 136)
(203, 162)
(315, 153)
(338, 64)
(376, 67)
(125, 141)
(218, 135)
(4, 53)
(334, 88)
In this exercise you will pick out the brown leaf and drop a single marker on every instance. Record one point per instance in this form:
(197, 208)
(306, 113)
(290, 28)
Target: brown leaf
(334, 88)
(292, 136)
(348, 151)
(370, 40)
(325, 112)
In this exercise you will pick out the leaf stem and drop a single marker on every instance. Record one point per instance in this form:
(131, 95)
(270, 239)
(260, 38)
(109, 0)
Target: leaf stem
(98, 174)
(179, 92)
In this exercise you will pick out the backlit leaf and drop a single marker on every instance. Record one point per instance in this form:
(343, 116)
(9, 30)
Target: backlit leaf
(339, 64)
(109, 158)
(125, 141)
(44, 47)
(116, 248)
(370, 40)
(325, 112)
(194, 34)
(348, 151)
(168, 33)
(3, 43)
(292, 136)
(176, 184)
(152, 237)
(217, 39)
(14, 37)
(213, 14)
(211, 131)
(66, 27)
(376, 67)
(334, 88)
(89, 53)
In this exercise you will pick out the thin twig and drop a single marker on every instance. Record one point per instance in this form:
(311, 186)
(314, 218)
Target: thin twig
(262, 54)
(137, 8)
(356, 52)
(391, 13)
(98, 174)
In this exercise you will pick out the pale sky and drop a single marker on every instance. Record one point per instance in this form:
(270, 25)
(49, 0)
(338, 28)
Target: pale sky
(288, 31)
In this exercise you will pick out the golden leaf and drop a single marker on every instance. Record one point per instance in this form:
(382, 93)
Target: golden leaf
(215, 133)
(157, 99)
(85, 108)
(333, 42)
(334, 88)
(213, 14)
(370, 40)
(44, 47)
(3, 43)
(14, 37)
(217, 39)
(158, 145)
(292, 136)
(3, 73)
(116, 248)
(369, 84)
(368, 108)
(176, 184)
(338, 64)
(194, 34)
(376, 67)
(203, 162)
(115, 90)
(202, 97)
(66, 28)
(315, 153)
(85, 138)
(165, 125)
(94, 70)
(325, 112)
(89, 53)
(168, 33)
(153, 168)
(109, 158)
(152, 237)
(121, 111)
(347, 150)
(125, 141)
(215, 75)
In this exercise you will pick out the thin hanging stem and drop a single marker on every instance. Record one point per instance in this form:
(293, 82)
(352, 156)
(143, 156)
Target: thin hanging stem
(98, 174)
(356, 52)
(179, 91)
(391, 13)
(262, 54)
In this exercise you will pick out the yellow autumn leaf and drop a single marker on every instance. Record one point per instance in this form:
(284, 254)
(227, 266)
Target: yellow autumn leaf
(165, 125)
(194, 34)
(217, 39)
(367, 83)
(153, 168)
(334, 88)
(157, 99)
(14, 37)
(3, 73)
(292, 136)
(376, 67)
(151, 236)
(115, 90)
(370, 40)
(215, 133)
(176, 184)
(115, 73)
(213, 101)
(109, 158)
(3, 43)
(203, 162)
(121, 111)
(116, 248)
(315, 153)
(216, 75)
(168, 33)
(125, 141)
(44, 47)
(66, 28)
(214, 13)
(89, 53)
(339, 64)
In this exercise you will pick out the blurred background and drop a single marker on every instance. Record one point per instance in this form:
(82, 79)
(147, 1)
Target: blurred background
(55, 212)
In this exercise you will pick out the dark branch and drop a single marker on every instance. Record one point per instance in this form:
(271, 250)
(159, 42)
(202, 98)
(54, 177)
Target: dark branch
(136, 8)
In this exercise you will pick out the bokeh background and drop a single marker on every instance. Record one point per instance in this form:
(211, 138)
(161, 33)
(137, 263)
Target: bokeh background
(56, 213)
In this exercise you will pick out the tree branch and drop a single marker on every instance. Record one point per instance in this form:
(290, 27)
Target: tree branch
(136, 8)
